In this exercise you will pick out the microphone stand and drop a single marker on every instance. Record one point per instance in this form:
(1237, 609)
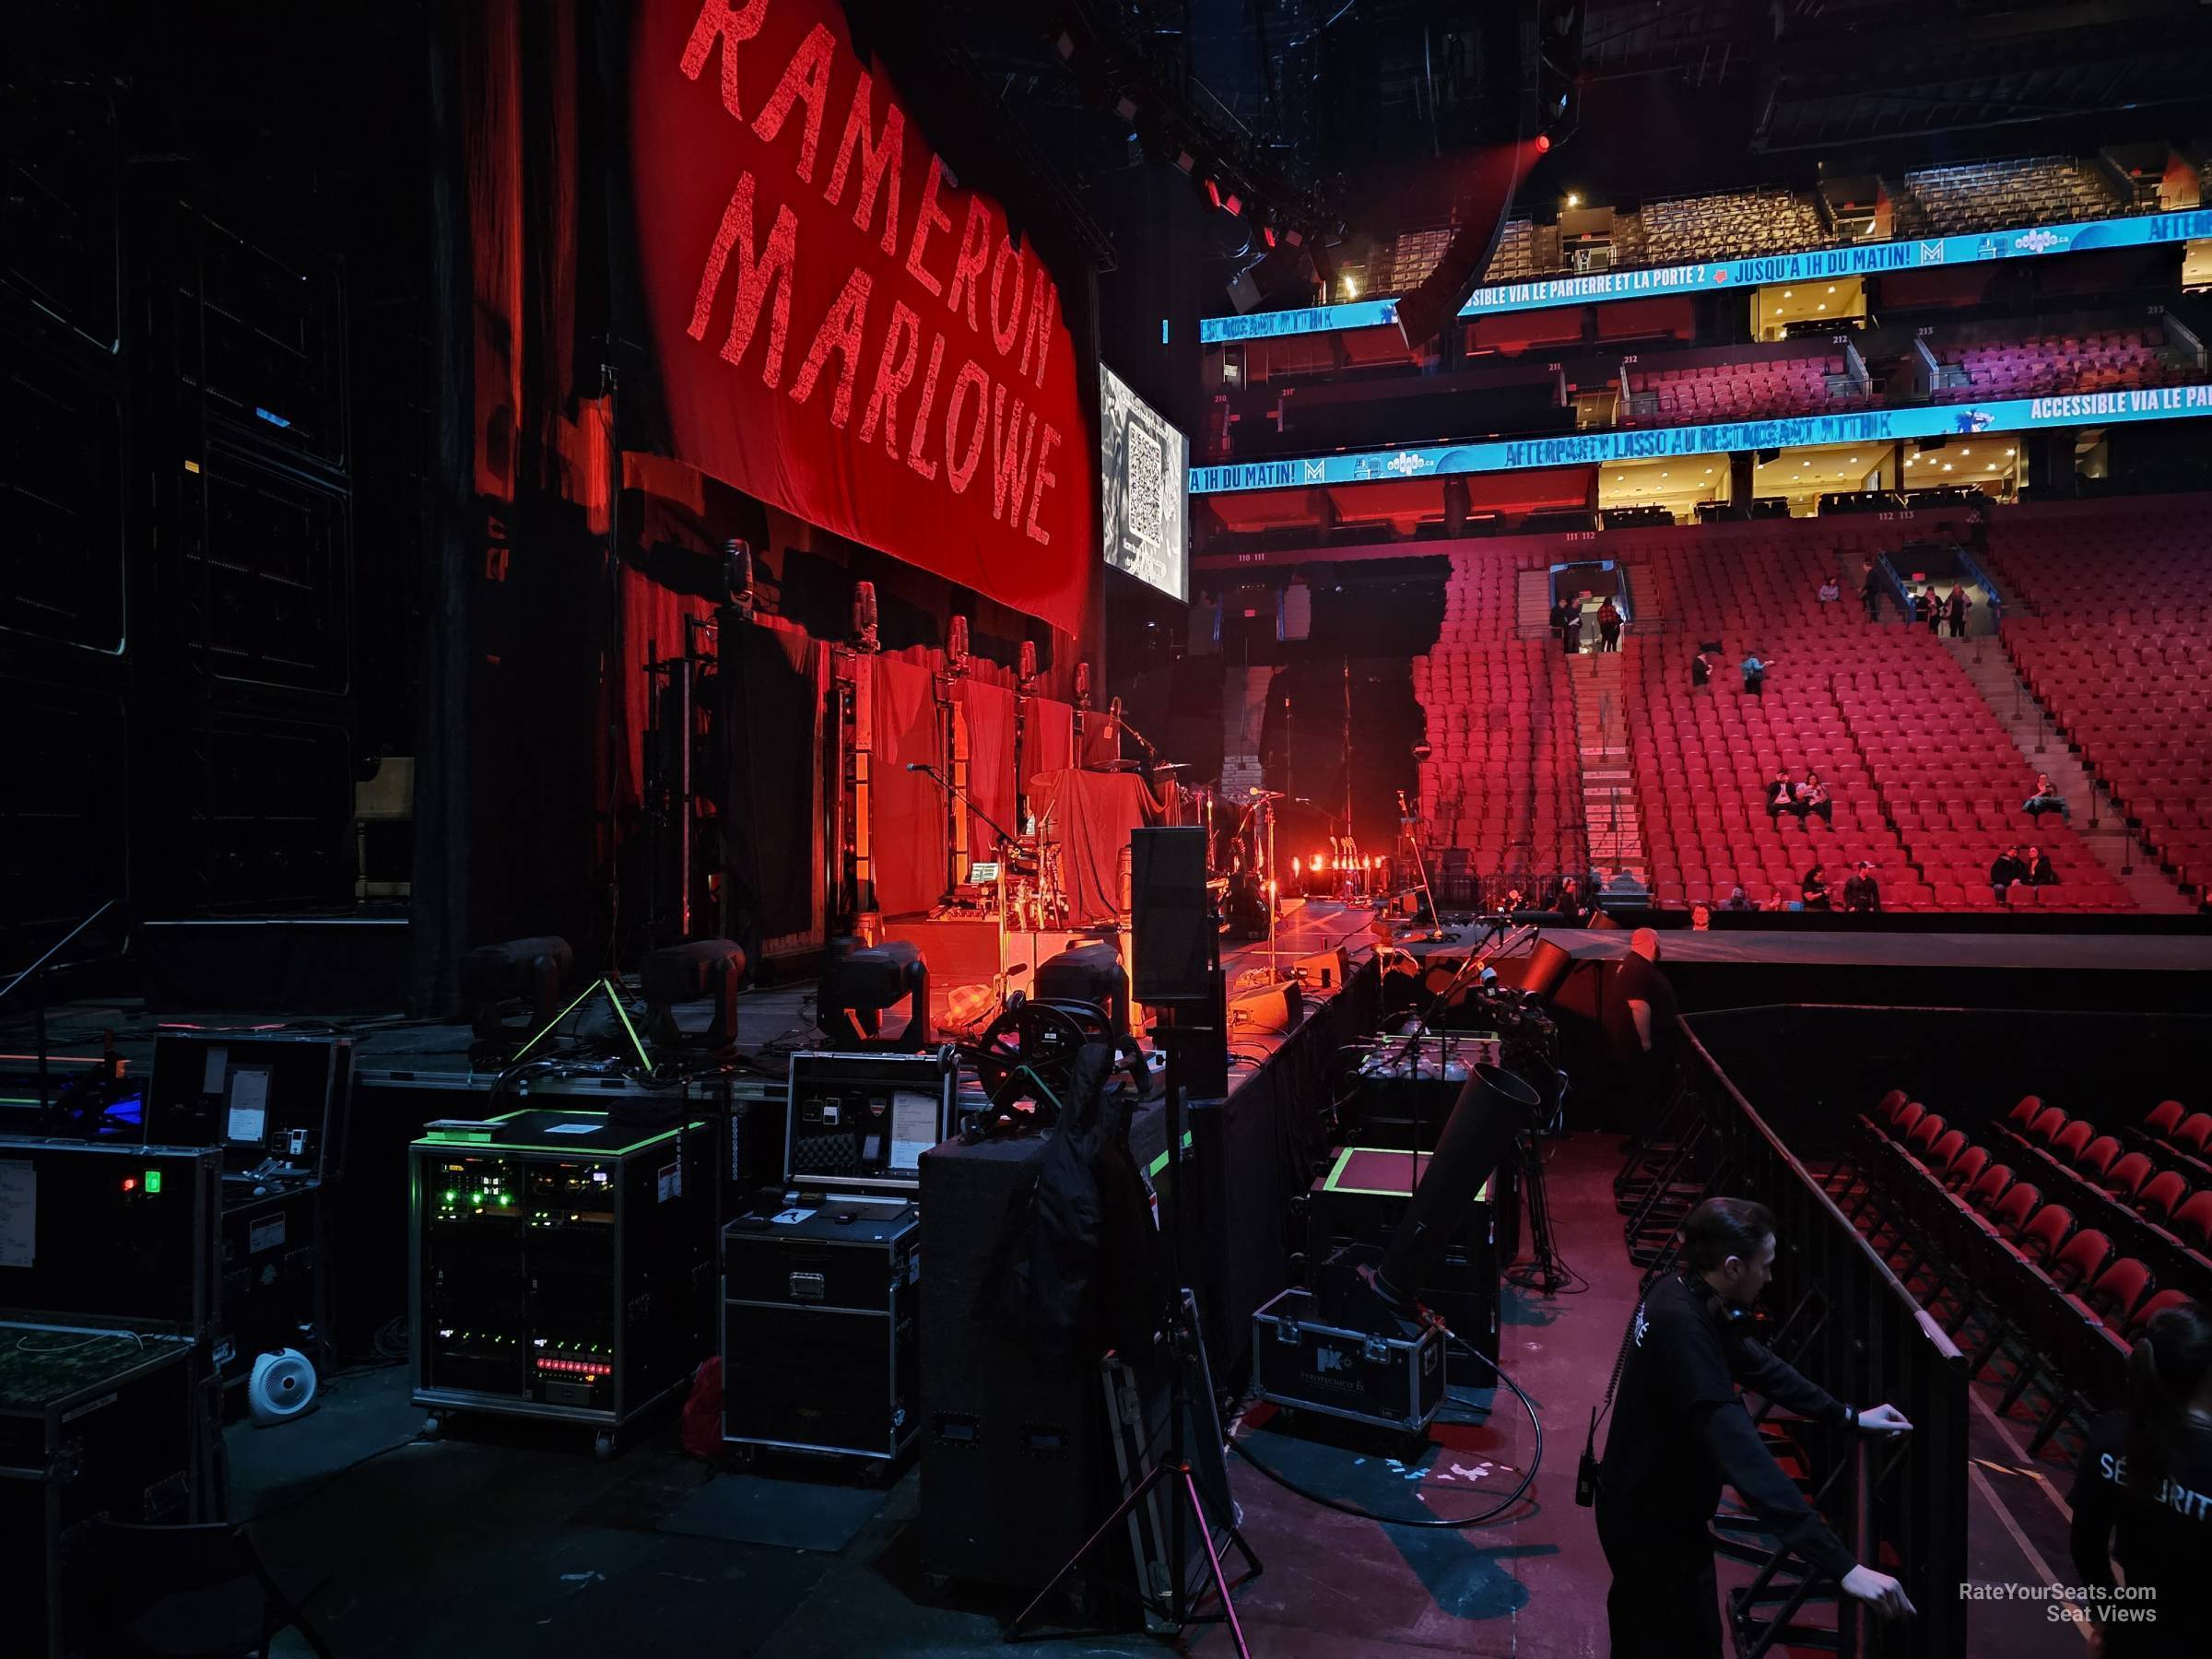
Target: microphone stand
(1006, 839)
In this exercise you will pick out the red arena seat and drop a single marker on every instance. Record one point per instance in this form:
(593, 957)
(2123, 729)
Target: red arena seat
(2193, 1221)
(2162, 1196)
(2164, 1118)
(2046, 1230)
(2125, 1178)
(2081, 1259)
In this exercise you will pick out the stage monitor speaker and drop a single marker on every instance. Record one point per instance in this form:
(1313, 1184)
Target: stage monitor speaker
(1171, 918)
(1491, 1113)
(1327, 971)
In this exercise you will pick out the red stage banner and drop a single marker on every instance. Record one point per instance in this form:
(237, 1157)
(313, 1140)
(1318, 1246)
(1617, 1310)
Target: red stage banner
(841, 329)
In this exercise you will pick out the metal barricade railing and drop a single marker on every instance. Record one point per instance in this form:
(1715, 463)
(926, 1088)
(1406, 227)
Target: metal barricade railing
(1847, 1323)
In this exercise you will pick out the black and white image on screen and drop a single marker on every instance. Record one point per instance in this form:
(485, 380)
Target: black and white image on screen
(1142, 473)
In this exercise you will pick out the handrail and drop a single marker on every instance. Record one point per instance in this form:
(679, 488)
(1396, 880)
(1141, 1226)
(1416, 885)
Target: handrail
(1904, 1508)
(7, 990)
(1911, 1303)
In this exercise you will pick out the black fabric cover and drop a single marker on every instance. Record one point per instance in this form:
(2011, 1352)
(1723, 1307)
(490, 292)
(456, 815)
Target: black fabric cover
(1076, 1269)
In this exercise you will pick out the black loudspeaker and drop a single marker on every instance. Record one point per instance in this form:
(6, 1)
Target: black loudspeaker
(1548, 967)
(1492, 1110)
(1171, 918)
(1015, 1469)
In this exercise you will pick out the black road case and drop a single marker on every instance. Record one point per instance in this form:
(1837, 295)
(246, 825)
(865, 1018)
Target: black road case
(820, 1312)
(1390, 1382)
(93, 1423)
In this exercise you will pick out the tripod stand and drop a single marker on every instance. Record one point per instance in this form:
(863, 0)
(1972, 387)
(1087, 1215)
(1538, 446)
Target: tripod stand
(1186, 1498)
(1545, 1273)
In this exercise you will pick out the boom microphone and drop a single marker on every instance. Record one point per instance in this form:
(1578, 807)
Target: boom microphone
(917, 765)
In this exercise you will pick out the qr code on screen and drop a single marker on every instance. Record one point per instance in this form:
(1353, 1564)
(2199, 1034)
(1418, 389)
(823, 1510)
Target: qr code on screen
(1141, 496)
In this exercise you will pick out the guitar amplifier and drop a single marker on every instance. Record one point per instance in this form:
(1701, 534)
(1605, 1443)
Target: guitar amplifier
(820, 1346)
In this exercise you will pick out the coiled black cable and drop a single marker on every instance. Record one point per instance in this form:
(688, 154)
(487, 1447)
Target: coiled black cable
(1438, 1523)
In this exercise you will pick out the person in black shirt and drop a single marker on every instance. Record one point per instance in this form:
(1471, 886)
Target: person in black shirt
(1679, 1431)
(1815, 887)
(1567, 622)
(2038, 866)
(1862, 892)
(2143, 1496)
(1781, 797)
(2007, 869)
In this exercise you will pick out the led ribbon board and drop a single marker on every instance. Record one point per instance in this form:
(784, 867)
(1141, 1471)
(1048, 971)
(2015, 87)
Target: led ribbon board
(1649, 443)
(1862, 259)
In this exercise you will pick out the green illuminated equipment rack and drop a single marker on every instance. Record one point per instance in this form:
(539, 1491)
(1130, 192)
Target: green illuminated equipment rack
(562, 1264)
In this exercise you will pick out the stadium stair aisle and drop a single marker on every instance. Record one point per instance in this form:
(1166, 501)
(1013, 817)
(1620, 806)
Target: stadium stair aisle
(2101, 827)
(1602, 717)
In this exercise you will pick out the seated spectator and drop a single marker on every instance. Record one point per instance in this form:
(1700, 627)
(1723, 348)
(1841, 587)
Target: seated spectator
(1830, 590)
(2046, 798)
(1862, 893)
(1812, 796)
(1738, 899)
(1775, 901)
(2038, 866)
(1755, 674)
(1814, 885)
(1702, 667)
(1781, 797)
(2005, 870)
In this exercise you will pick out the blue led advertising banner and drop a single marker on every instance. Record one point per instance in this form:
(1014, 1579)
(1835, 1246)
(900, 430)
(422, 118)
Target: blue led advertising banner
(1865, 259)
(1649, 443)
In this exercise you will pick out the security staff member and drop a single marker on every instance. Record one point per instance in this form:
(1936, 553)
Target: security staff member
(2144, 1486)
(1679, 1431)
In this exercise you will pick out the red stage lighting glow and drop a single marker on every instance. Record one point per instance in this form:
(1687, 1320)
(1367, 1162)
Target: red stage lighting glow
(1543, 143)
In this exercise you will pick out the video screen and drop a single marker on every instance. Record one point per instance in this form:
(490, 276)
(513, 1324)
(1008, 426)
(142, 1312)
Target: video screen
(1143, 478)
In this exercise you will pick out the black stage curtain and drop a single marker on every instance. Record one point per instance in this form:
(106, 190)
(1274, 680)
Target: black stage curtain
(771, 685)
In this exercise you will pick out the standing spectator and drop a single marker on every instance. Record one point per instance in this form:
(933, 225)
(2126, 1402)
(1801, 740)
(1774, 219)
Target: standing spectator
(2038, 866)
(1830, 590)
(1870, 590)
(1781, 797)
(1702, 667)
(1862, 893)
(1755, 674)
(1931, 609)
(1815, 887)
(1567, 619)
(1812, 796)
(1956, 610)
(2005, 870)
(1608, 625)
(2046, 798)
